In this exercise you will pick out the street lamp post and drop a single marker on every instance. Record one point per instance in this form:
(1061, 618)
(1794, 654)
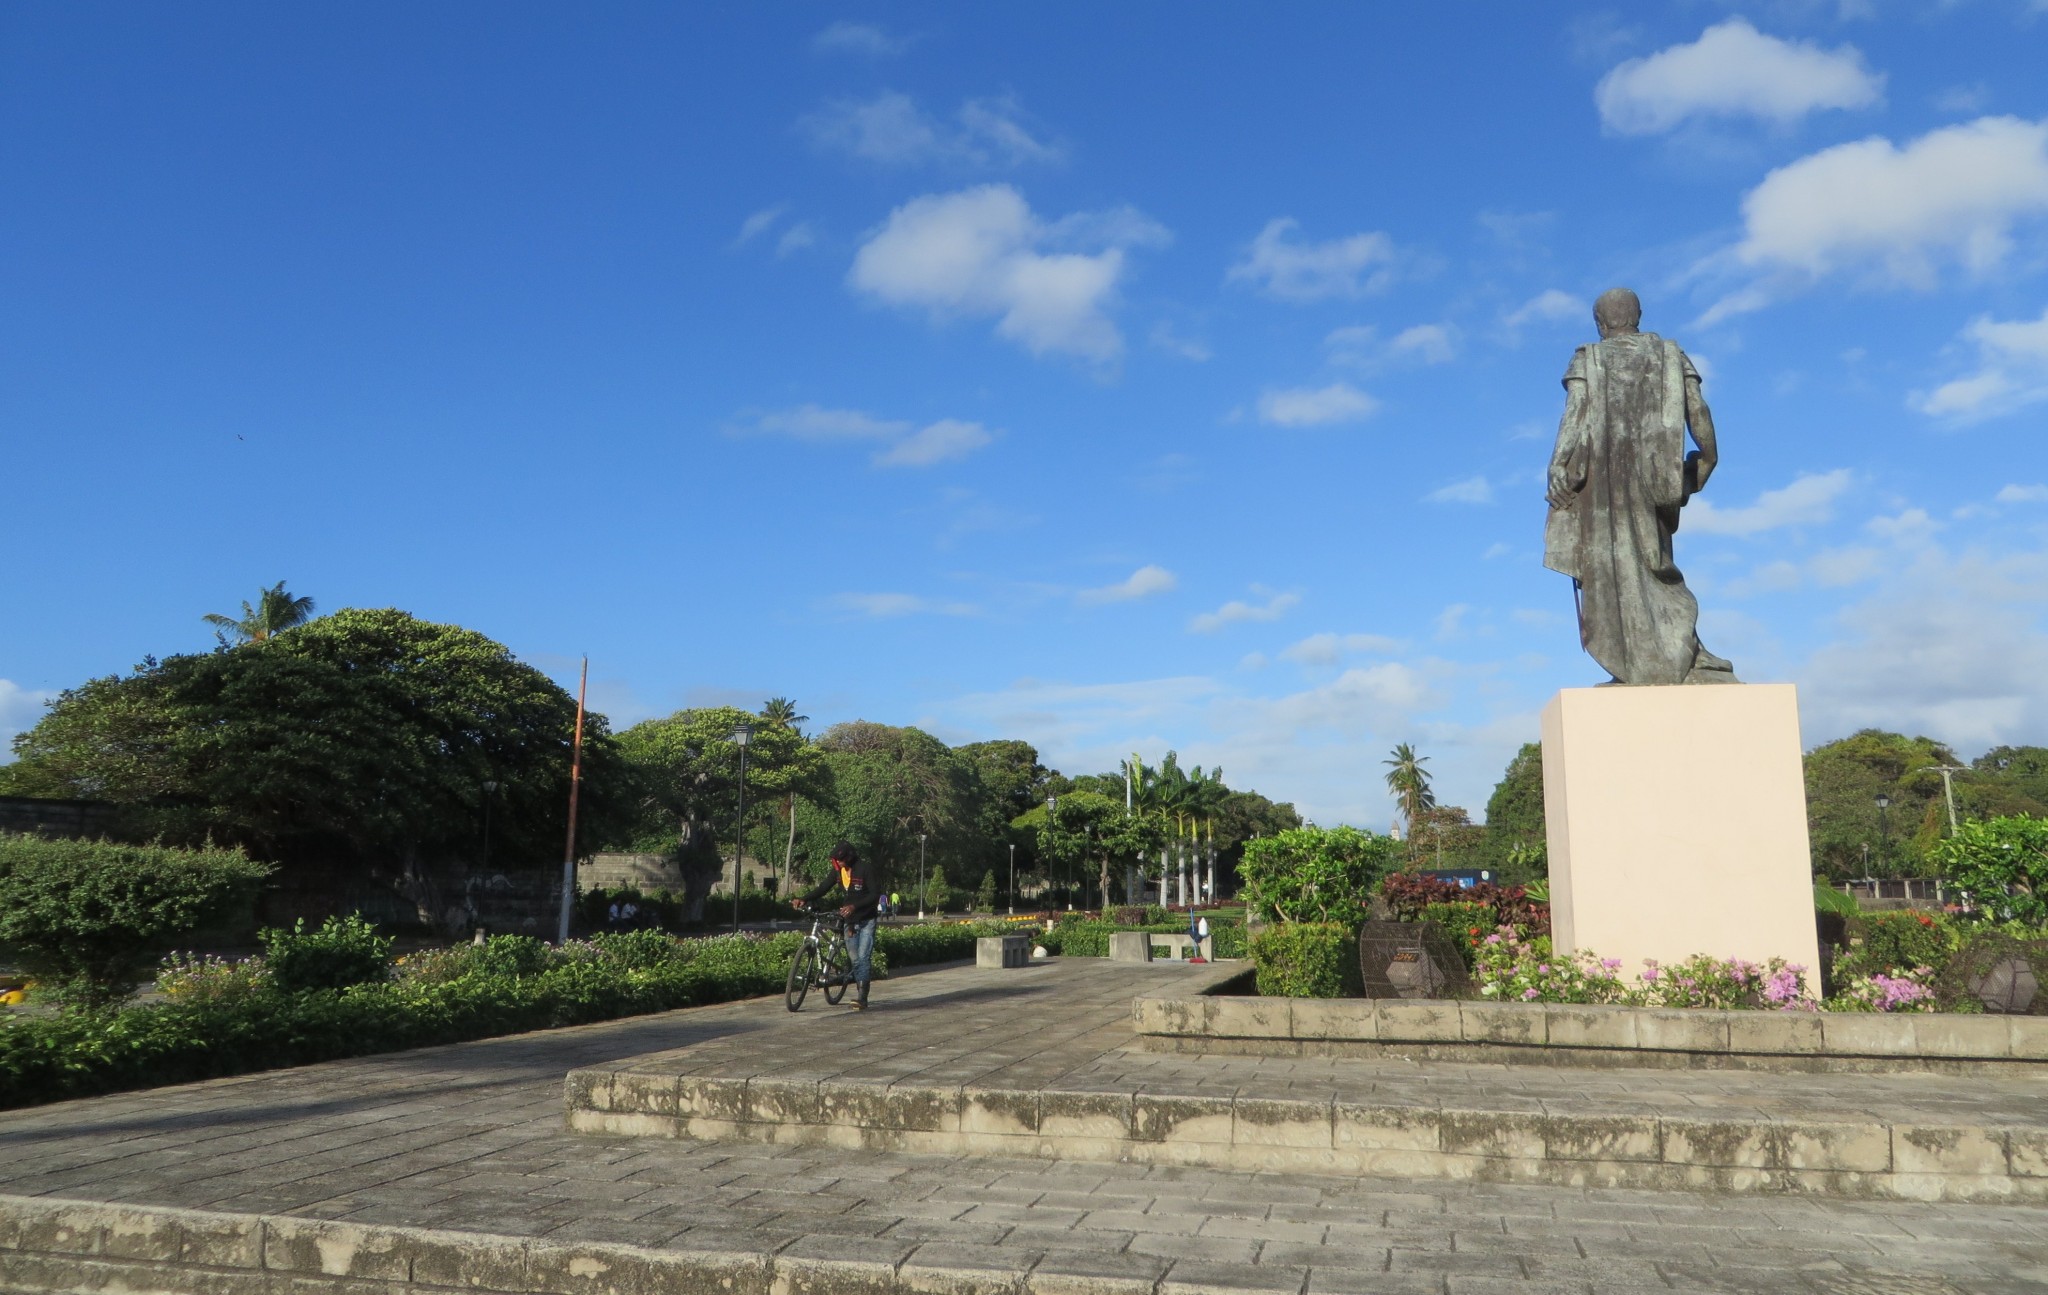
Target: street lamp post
(742, 734)
(1052, 822)
(920, 876)
(1013, 879)
(1884, 831)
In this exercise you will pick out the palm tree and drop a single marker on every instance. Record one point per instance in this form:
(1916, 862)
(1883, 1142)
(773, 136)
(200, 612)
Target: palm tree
(780, 712)
(1409, 782)
(275, 611)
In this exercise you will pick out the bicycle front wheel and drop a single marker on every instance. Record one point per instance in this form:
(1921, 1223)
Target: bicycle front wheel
(803, 969)
(838, 971)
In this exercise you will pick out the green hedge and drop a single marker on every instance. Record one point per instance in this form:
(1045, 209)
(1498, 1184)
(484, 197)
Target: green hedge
(446, 996)
(1307, 960)
(1089, 937)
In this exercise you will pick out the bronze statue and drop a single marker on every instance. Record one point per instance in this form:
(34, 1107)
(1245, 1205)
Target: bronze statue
(1618, 478)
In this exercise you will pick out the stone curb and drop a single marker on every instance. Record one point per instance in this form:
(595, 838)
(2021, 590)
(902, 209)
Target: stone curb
(1188, 1020)
(52, 1246)
(1756, 1154)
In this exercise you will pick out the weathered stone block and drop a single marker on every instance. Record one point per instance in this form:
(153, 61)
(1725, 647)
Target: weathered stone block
(1002, 951)
(1130, 946)
(1949, 1035)
(784, 1101)
(1573, 1026)
(1964, 1151)
(587, 1090)
(1775, 1033)
(1333, 1018)
(644, 1093)
(1249, 1018)
(1085, 1115)
(1682, 1030)
(219, 1240)
(1522, 1023)
(997, 1111)
(1496, 1134)
(1384, 1128)
(1281, 1123)
(1716, 1144)
(717, 1099)
(1853, 1148)
(922, 1108)
(1869, 1034)
(1157, 1118)
(335, 1249)
(466, 1259)
(2026, 1152)
(1420, 1021)
(957, 1269)
(2029, 1039)
(129, 1233)
(1601, 1138)
(55, 1226)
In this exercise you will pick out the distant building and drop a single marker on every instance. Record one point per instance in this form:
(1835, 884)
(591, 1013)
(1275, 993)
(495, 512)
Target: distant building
(57, 818)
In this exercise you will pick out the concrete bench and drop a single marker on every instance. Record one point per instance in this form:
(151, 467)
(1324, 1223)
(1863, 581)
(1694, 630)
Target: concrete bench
(1002, 951)
(1138, 946)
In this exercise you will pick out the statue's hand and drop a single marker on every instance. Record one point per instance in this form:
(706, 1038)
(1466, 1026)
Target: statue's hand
(1699, 465)
(1560, 492)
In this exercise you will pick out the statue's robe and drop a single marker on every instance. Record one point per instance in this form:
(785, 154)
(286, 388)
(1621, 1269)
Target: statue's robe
(1623, 449)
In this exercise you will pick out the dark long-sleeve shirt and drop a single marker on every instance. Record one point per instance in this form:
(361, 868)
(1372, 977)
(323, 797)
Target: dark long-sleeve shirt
(862, 890)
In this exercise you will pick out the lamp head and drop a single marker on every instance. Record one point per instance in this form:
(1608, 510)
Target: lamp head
(742, 734)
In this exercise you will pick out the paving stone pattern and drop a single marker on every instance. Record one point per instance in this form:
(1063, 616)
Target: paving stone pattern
(469, 1139)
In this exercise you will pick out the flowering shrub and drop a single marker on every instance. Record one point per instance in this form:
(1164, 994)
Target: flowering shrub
(1468, 923)
(204, 978)
(1514, 967)
(1409, 895)
(1909, 992)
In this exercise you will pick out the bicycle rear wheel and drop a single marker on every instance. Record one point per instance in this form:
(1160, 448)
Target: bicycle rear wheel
(837, 970)
(803, 969)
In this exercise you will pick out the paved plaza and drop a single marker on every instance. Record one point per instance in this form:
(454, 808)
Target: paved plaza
(470, 1140)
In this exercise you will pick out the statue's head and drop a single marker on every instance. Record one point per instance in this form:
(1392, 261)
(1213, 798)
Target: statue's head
(1617, 311)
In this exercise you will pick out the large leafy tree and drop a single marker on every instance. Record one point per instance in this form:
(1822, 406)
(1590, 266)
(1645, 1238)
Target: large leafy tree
(1516, 842)
(361, 740)
(1849, 835)
(274, 612)
(891, 785)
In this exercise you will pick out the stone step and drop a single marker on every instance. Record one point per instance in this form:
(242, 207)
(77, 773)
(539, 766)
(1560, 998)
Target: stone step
(1697, 1150)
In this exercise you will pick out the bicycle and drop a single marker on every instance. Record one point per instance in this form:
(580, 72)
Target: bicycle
(822, 960)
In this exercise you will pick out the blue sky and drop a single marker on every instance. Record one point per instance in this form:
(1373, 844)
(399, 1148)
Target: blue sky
(1115, 377)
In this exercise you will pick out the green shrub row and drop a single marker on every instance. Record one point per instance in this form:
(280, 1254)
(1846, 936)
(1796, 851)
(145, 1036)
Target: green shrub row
(220, 1020)
(1307, 960)
(1089, 937)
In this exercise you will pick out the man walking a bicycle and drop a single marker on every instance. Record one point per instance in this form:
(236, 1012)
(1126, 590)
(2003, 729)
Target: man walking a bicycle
(855, 879)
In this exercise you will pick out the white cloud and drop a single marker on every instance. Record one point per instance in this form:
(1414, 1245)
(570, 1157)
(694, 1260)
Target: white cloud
(858, 38)
(1329, 648)
(977, 253)
(1142, 583)
(20, 710)
(1450, 622)
(1292, 269)
(909, 446)
(795, 239)
(1472, 490)
(1237, 611)
(1910, 528)
(1497, 549)
(1888, 215)
(757, 224)
(892, 130)
(887, 606)
(2036, 494)
(1808, 501)
(1357, 346)
(1166, 339)
(2012, 372)
(949, 438)
(1340, 402)
(1733, 70)
(1954, 648)
(1427, 343)
(1548, 306)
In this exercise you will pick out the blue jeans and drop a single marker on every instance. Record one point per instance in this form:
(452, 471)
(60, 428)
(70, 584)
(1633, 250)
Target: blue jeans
(860, 942)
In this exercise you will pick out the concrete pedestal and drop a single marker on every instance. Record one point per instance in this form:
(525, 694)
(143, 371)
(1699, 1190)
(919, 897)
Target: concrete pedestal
(1677, 824)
